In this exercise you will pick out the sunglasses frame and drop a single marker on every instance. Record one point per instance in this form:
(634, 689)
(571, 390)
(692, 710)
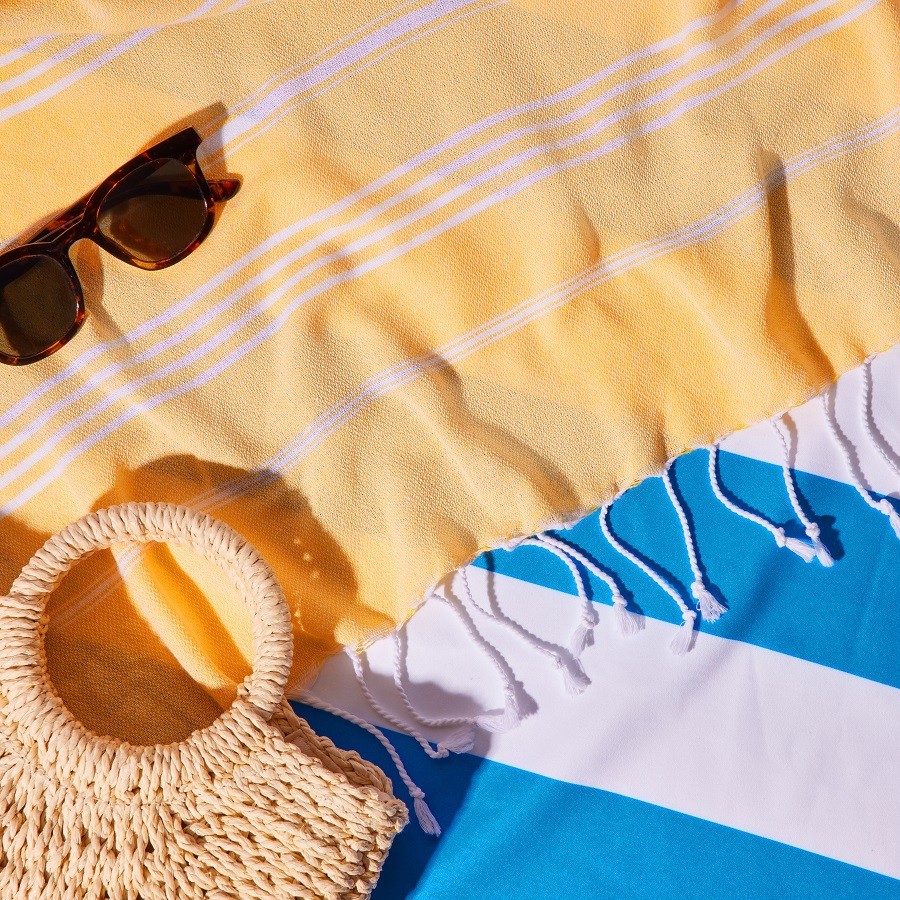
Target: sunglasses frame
(80, 221)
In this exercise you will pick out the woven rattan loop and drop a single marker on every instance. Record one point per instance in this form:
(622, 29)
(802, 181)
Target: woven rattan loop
(23, 664)
(254, 806)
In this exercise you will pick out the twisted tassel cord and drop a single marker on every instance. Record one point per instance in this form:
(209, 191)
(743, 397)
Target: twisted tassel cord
(811, 528)
(878, 442)
(805, 551)
(510, 717)
(358, 659)
(710, 608)
(879, 504)
(583, 636)
(575, 679)
(427, 821)
(628, 622)
(462, 739)
(684, 637)
(868, 418)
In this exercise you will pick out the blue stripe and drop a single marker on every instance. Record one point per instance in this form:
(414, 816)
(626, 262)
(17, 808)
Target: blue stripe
(845, 617)
(514, 834)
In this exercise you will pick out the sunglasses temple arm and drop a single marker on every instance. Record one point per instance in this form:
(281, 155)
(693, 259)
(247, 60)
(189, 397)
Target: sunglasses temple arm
(224, 189)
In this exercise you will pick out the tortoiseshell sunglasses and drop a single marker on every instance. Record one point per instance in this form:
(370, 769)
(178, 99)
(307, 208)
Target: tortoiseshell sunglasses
(151, 212)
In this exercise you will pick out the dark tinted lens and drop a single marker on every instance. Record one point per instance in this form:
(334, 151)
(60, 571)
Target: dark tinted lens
(155, 212)
(37, 305)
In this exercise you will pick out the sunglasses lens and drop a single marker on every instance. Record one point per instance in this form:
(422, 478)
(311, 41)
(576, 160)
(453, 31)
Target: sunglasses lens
(155, 212)
(38, 306)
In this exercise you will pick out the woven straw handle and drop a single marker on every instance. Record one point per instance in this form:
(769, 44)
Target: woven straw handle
(165, 522)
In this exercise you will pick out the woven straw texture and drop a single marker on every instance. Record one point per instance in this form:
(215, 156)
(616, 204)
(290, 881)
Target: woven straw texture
(253, 806)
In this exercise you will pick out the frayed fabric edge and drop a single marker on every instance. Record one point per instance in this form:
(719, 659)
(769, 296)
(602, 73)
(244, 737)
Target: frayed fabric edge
(701, 603)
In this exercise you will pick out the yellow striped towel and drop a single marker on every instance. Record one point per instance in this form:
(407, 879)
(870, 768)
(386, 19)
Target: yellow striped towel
(493, 261)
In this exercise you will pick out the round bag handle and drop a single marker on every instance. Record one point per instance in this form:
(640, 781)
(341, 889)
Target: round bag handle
(23, 620)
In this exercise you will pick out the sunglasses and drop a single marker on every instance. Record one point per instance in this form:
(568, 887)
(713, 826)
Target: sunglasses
(151, 213)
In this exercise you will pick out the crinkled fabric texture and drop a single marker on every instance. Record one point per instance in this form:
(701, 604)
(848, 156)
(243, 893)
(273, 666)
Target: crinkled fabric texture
(491, 263)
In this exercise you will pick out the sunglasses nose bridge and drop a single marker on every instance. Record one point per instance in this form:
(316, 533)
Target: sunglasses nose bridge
(57, 232)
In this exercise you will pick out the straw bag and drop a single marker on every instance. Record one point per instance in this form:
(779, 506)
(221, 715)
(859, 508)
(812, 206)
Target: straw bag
(254, 806)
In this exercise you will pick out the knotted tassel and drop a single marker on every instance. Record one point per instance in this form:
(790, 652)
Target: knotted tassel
(710, 608)
(505, 720)
(801, 548)
(684, 637)
(679, 646)
(357, 657)
(427, 822)
(459, 741)
(627, 622)
(509, 717)
(805, 551)
(462, 739)
(583, 636)
(822, 554)
(575, 679)
(426, 818)
(811, 528)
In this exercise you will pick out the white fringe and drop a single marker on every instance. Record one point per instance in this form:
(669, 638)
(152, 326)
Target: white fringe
(679, 645)
(462, 739)
(501, 722)
(462, 736)
(575, 679)
(357, 657)
(876, 440)
(812, 528)
(583, 636)
(510, 716)
(683, 640)
(426, 818)
(568, 666)
(882, 505)
(628, 622)
(710, 608)
(805, 551)
(891, 513)
(427, 822)
(822, 553)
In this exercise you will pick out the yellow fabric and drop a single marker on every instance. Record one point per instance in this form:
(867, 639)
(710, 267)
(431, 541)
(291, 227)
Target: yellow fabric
(495, 262)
